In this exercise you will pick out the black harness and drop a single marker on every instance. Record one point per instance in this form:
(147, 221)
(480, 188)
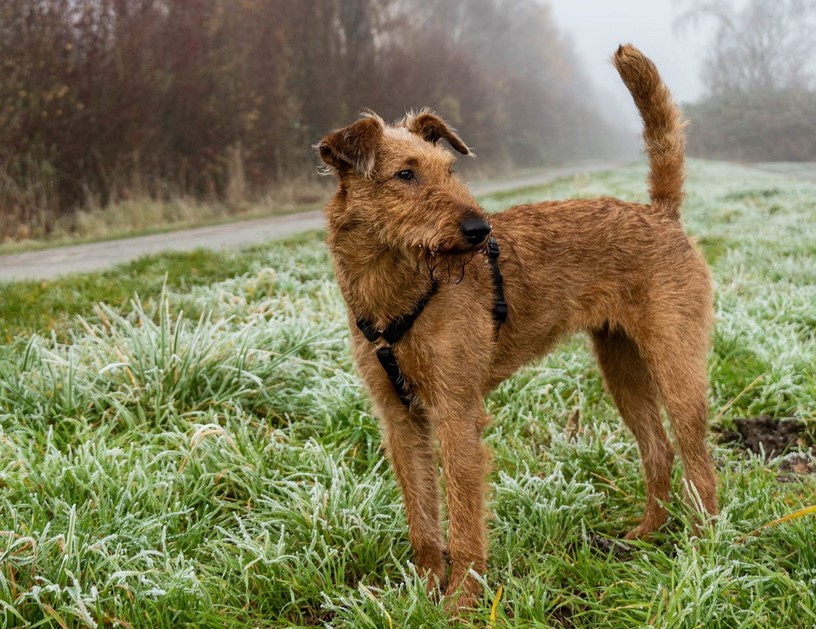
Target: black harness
(399, 326)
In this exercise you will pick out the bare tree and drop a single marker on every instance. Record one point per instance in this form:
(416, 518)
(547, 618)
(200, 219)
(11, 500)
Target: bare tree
(759, 72)
(103, 100)
(765, 45)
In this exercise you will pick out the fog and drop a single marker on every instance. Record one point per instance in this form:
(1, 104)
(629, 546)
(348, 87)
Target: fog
(744, 71)
(596, 29)
(109, 101)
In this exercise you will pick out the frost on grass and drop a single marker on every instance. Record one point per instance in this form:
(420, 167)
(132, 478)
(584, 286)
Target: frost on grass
(165, 427)
(208, 457)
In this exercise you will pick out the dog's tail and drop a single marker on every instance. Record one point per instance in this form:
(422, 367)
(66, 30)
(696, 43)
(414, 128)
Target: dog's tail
(663, 129)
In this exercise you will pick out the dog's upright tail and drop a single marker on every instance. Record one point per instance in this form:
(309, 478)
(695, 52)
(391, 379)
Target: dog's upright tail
(663, 129)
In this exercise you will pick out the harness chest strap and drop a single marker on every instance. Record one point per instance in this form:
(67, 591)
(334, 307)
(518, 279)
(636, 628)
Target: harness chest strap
(399, 326)
(393, 333)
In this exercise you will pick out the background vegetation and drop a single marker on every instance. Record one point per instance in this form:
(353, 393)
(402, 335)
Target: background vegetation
(108, 100)
(203, 454)
(190, 110)
(760, 103)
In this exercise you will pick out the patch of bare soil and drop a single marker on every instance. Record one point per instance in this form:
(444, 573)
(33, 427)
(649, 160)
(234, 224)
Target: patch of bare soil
(771, 437)
(796, 463)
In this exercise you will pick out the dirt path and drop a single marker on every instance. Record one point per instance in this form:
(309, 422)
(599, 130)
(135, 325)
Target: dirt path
(49, 263)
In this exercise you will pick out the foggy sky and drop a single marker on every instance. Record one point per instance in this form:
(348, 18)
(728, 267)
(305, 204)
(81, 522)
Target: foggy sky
(597, 27)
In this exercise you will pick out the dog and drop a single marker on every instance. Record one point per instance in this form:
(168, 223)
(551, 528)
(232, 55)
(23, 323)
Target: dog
(446, 301)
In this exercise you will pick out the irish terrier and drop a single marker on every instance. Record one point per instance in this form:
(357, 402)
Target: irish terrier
(445, 301)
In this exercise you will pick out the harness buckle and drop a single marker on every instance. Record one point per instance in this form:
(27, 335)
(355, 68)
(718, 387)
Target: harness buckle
(492, 249)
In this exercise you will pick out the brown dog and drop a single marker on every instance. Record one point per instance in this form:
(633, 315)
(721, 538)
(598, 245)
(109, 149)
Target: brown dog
(426, 309)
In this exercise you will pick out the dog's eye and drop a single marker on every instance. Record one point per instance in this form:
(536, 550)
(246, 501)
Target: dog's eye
(405, 175)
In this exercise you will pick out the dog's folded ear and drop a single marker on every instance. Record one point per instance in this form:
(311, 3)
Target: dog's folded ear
(352, 147)
(432, 128)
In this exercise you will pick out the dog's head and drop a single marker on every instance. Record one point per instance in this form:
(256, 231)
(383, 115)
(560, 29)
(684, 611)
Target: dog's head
(398, 184)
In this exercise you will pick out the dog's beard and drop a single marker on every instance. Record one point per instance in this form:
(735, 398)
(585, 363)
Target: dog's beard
(447, 268)
(443, 258)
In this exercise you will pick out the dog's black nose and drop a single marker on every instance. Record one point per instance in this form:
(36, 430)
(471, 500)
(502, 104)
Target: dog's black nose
(474, 229)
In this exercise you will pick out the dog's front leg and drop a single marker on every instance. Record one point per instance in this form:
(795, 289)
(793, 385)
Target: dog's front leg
(409, 441)
(408, 438)
(465, 463)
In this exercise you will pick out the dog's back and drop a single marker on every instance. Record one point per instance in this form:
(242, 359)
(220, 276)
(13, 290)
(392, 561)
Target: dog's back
(618, 262)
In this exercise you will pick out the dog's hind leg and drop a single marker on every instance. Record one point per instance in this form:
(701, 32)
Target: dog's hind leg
(678, 363)
(635, 393)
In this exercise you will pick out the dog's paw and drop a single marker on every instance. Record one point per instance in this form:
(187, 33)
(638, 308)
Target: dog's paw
(435, 584)
(432, 566)
(462, 594)
(460, 602)
(639, 532)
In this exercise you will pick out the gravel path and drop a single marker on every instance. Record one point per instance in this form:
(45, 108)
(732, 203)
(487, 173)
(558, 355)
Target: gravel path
(49, 263)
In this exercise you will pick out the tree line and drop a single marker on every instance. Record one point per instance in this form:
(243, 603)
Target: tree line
(104, 99)
(760, 102)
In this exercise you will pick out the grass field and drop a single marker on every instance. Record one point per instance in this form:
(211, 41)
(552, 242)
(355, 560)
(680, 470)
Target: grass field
(184, 443)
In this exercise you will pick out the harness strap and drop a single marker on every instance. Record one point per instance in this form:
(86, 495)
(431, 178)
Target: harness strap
(389, 363)
(393, 333)
(399, 326)
(499, 305)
